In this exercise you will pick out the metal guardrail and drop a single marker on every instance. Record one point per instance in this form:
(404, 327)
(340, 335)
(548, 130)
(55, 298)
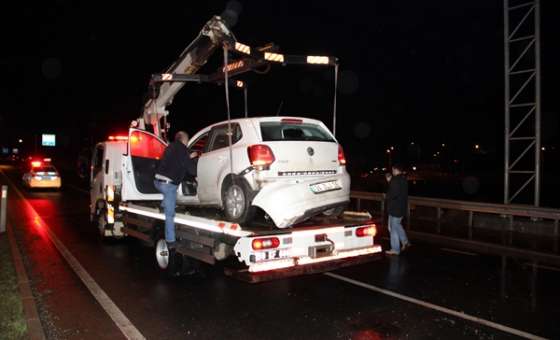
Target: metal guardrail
(504, 210)
(509, 210)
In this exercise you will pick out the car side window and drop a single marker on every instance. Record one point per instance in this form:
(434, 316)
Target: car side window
(220, 137)
(199, 145)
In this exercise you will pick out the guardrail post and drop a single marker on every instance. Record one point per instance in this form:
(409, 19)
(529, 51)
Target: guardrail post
(3, 207)
(408, 223)
(510, 234)
(556, 236)
(503, 278)
(471, 217)
(438, 220)
(358, 204)
(533, 285)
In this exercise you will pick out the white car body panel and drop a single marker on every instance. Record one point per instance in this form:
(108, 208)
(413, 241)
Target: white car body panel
(288, 201)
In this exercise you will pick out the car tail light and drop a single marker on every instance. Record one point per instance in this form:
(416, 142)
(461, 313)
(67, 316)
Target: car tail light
(36, 164)
(261, 156)
(265, 243)
(369, 230)
(341, 158)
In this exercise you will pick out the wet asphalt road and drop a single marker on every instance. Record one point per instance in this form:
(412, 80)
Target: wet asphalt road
(316, 306)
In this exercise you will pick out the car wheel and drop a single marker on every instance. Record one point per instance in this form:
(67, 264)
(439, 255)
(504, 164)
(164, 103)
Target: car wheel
(237, 203)
(101, 223)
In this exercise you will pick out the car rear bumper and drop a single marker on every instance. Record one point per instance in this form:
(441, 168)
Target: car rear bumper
(55, 183)
(288, 203)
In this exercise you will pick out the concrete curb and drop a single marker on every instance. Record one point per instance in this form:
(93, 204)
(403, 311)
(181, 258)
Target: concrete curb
(34, 328)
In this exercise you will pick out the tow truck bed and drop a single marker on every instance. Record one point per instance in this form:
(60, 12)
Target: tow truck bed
(318, 245)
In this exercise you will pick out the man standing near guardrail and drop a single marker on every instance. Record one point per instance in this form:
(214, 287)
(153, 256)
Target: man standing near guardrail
(397, 204)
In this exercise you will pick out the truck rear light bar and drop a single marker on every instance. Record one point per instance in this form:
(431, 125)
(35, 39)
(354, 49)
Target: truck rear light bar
(292, 262)
(118, 138)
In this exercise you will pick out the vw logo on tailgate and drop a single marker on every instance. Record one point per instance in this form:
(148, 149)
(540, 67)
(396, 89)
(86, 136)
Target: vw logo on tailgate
(310, 151)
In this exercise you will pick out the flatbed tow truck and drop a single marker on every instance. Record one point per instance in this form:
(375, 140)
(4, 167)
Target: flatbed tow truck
(256, 251)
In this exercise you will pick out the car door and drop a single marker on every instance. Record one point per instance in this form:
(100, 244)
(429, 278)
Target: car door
(215, 162)
(139, 165)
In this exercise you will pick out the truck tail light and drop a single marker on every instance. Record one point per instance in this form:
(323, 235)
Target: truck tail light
(365, 231)
(265, 243)
(260, 155)
(341, 158)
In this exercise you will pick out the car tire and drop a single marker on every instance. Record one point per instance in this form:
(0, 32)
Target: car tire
(236, 198)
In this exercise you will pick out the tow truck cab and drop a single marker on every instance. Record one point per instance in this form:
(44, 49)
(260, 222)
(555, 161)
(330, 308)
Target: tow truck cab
(105, 182)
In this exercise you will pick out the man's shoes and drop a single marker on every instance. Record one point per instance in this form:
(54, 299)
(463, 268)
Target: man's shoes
(406, 246)
(392, 253)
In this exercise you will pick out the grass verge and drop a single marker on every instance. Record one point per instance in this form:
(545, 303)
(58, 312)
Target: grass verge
(12, 321)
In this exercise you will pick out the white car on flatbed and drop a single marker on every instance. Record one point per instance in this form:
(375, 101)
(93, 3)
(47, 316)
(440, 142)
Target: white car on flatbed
(289, 167)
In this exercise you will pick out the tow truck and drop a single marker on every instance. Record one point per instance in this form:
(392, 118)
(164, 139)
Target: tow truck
(256, 250)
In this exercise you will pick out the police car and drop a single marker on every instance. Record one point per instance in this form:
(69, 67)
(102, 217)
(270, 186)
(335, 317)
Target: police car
(40, 173)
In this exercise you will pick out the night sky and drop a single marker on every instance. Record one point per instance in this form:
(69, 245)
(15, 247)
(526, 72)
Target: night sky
(424, 71)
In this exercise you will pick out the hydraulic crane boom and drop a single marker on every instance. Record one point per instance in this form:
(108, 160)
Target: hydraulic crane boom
(213, 35)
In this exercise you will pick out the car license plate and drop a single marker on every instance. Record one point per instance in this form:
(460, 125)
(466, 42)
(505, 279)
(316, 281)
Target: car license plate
(324, 187)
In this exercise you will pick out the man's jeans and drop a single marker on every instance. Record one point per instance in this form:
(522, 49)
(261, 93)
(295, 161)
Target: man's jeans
(169, 192)
(398, 235)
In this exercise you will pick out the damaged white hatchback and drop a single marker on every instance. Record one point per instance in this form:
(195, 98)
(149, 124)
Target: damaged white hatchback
(289, 167)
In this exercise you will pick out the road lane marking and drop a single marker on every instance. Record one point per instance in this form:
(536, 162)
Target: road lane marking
(449, 250)
(429, 305)
(118, 317)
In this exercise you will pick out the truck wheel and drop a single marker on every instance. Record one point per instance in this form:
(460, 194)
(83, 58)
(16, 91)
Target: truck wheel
(168, 260)
(237, 203)
(101, 224)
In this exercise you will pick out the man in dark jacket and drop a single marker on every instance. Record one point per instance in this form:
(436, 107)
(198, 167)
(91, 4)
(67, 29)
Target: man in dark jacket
(175, 164)
(397, 206)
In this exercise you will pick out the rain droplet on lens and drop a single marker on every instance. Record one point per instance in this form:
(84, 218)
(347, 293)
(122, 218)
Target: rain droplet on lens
(362, 130)
(349, 82)
(51, 68)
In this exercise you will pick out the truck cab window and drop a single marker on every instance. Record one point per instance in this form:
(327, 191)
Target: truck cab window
(97, 162)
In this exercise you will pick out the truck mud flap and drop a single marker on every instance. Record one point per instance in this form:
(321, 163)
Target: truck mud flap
(246, 276)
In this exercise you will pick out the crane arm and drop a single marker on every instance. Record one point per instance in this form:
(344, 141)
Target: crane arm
(214, 34)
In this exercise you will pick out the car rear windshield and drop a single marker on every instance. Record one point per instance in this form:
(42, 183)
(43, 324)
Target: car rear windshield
(281, 131)
(45, 169)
